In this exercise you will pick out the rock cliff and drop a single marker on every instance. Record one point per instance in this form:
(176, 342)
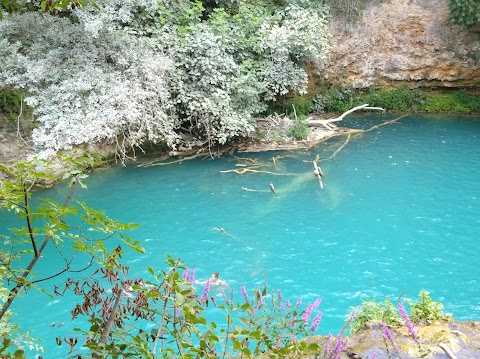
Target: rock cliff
(402, 42)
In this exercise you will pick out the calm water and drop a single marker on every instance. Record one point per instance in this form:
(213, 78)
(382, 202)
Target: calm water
(400, 211)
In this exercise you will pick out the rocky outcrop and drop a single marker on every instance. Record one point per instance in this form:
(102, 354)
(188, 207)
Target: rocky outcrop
(403, 42)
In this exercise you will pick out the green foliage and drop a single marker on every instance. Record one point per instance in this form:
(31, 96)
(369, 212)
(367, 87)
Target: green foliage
(423, 311)
(465, 13)
(55, 7)
(372, 311)
(339, 98)
(426, 311)
(452, 101)
(175, 73)
(48, 224)
(12, 105)
(262, 325)
(396, 99)
(300, 105)
(299, 130)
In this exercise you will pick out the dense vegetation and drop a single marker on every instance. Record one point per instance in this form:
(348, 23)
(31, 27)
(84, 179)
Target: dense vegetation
(179, 73)
(182, 73)
(338, 98)
(466, 13)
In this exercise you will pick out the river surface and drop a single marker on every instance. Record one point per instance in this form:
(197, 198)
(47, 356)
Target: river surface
(399, 211)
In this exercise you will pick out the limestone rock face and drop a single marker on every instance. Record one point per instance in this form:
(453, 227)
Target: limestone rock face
(403, 42)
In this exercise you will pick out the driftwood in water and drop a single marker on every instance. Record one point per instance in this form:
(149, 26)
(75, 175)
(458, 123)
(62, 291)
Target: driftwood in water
(244, 170)
(254, 190)
(318, 172)
(328, 123)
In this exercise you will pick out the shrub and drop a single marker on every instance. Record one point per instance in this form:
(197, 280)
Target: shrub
(337, 98)
(396, 99)
(423, 311)
(465, 13)
(426, 310)
(299, 130)
(12, 104)
(375, 312)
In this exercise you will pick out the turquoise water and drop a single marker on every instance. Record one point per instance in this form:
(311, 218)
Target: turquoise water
(400, 210)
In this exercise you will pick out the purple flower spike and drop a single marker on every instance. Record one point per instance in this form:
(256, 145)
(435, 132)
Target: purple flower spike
(204, 296)
(340, 344)
(288, 304)
(299, 303)
(244, 293)
(386, 331)
(192, 276)
(316, 322)
(407, 321)
(185, 274)
(306, 314)
(177, 312)
(326, 349)
(279, 296)
(317, 303)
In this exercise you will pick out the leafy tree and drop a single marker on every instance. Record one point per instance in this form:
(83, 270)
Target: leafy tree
(465, 13)
(50, 224)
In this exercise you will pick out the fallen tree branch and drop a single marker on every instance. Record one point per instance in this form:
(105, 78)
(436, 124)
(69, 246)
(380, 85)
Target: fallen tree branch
(328, 123)
(254, 190)
(244, 170)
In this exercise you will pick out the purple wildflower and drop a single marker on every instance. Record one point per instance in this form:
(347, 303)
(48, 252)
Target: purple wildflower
(185, 274)
(191, 278)
(279, 296)
(306, 314)
(317, 303)
(204, 296)
(386, 331)
(316, 322)
(407, 321)
(177, 312)
(340, 344)
(244, 293)
(299, 303)
(288, 304)
(326, 349)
